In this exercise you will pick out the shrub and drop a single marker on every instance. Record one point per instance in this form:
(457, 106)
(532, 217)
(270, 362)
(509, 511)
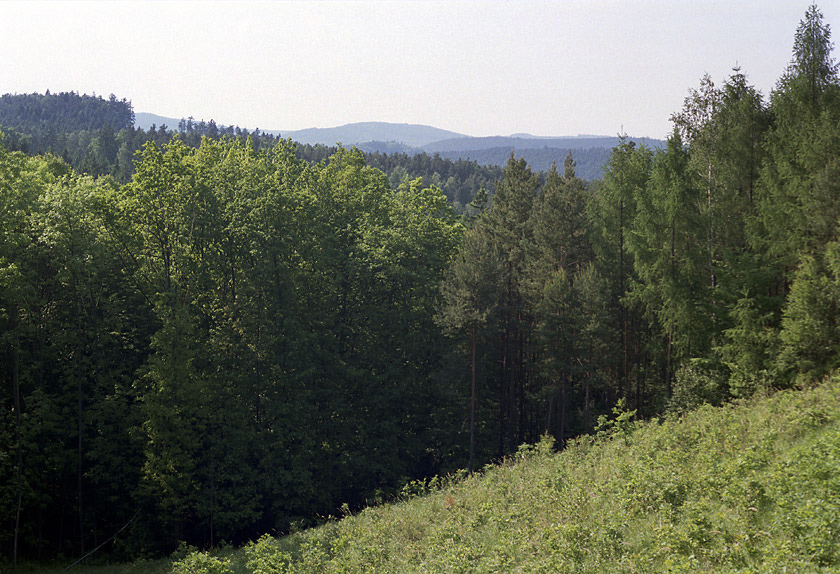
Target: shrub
(699, 382)
(202, 563)
(265, 557)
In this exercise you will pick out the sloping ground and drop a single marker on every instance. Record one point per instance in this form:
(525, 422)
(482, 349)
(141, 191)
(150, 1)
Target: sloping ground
(752, 488)
(744, 488)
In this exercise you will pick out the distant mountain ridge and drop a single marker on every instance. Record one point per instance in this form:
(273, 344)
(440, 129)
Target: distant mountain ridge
(144, 120)
(516, 143)
(411, 135)
(590, 151)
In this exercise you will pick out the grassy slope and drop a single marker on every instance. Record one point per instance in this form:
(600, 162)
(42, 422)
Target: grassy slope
(744, 488)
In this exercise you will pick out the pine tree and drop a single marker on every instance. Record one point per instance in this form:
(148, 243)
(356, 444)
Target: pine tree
(612, 211)
(507, 223)
(470, 293)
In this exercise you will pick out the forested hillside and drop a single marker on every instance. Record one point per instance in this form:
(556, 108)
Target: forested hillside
(97, 137)
(44, 113)
(589, 162)
(233, 341)
(236, 340)
(699, 272)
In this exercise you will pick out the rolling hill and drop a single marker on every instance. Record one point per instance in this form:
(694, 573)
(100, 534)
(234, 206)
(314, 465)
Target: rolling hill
(590, 152)
(411, 135)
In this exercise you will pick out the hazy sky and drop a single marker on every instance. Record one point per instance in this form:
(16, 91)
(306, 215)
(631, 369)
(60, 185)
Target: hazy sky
(480, 68)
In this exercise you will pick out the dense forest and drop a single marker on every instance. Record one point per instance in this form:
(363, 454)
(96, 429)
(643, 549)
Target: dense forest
(589, 162)
(97, 137)
(234, 339)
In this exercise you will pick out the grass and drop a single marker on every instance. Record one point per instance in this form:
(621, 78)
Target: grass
(751, 487)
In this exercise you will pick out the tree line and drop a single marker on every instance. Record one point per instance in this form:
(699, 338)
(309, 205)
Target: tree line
(97, 137)
(589, 162)
(65, 111)
(696, 273)
(237, 339)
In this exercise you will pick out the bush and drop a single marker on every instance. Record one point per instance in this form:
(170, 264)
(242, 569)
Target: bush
(621, 424)
(699, 382)
(807, 491)
(265, 557)
(202, 563)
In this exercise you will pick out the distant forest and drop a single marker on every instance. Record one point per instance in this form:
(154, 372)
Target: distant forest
(96, 136)
(589, 162)
(228, 335)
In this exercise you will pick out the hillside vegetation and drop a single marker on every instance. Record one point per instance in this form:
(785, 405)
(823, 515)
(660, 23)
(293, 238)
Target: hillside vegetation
(749, 487)
(99, 137)
(743, 488)
(238, 340)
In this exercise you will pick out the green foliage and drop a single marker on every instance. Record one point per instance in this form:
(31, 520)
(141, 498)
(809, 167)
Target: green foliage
(620, 424)
(265, 557)
(810, 328)
(224, 336)
(812, 70)
(667, 245)
(749, 349)
(470, 290)
(546, 446)
(699, 382)
(201, 563)
(612, 211)
(234, 335)
(807, 491)
(426, 486)
(590, 161)
(460, 180)
(65, 111)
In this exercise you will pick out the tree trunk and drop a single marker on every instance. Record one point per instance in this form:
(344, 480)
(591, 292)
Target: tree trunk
(586, 407)
(80, 420)
(503, 393)
(18, 455)
(562, 437)
(712, 277)
(472, 400)
(624, 385)
(520, 386)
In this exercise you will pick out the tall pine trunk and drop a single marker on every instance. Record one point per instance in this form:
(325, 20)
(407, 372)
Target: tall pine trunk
(472, 399)
(18, 454)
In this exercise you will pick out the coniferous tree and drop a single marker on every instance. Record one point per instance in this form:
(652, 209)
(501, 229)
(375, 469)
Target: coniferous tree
(799, 194)
(509, 230)
(612, 211)
(810, 328)
(470, 294)
(671, 284)
(561, 251)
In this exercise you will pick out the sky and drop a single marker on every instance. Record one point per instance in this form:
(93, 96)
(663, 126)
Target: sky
(481, 68)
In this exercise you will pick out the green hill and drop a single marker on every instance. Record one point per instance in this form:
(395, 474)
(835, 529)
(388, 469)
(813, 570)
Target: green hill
(750, 487)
